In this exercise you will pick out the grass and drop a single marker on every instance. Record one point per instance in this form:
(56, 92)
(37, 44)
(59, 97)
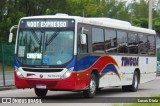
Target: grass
(141, 104)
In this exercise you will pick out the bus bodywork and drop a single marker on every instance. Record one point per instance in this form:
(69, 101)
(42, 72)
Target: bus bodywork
(48, 55)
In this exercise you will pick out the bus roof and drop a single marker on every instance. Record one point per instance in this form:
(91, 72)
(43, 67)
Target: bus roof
(104, 22)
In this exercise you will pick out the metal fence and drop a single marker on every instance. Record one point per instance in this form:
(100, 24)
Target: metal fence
(6, 64)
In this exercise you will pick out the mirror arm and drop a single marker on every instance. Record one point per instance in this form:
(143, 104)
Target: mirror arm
(11, 34)
(82, 30)
(13, 27)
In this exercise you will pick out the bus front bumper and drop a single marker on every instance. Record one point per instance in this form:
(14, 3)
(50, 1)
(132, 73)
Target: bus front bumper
(68, 84)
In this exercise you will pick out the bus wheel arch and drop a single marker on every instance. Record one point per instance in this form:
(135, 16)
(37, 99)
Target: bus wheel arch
(93, 84)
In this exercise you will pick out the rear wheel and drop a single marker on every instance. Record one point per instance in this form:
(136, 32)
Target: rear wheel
(91, 91)
(134, 86)
(40, 92)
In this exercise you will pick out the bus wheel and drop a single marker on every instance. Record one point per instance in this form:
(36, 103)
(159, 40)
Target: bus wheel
(125, 88)
(91, 91)
(134, 86)
(40, 92)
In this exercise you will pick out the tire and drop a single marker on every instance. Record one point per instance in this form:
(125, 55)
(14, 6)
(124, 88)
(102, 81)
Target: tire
(41, 92)
(91, 91)
(134, 86)
(125, 89)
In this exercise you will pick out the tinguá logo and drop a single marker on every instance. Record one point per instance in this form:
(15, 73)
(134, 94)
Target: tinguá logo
(130, 61)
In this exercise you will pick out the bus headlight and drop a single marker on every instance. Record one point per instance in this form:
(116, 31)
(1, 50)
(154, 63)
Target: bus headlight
(19, 74)
(68, 73)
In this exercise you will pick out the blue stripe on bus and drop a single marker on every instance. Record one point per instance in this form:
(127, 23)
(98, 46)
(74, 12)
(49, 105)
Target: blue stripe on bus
(16, 62)
(110, 67)
(72, 63)
(85, 62)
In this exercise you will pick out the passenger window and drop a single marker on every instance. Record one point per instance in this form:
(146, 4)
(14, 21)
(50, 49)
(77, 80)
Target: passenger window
(122, 42)
(133, 43)
(110, 41)
(142, 44)
(97, 40)
(151, 45)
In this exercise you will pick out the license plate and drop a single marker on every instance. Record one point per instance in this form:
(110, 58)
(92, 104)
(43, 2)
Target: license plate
(41, 86)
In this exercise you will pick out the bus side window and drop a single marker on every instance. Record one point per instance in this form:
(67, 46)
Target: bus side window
(142, 46)
(97, 40)
(110, 41)
(133, 43)
(122, 42)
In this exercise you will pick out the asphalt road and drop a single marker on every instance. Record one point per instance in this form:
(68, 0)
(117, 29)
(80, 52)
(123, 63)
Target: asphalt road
(107, 95)
(9, 78)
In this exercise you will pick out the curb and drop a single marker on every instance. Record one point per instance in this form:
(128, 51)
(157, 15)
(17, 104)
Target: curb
(2, 88)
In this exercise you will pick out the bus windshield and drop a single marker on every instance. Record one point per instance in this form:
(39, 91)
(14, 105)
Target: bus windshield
(45, 47)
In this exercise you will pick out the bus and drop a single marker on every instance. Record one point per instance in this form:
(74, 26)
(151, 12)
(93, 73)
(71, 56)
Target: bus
(72, 53)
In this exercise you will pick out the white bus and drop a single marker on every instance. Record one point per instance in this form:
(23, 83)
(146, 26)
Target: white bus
(62, 52)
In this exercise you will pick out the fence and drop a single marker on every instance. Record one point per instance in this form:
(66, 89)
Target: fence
(6, 64)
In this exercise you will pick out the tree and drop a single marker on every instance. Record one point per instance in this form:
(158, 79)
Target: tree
(156, 24)
(136, 12)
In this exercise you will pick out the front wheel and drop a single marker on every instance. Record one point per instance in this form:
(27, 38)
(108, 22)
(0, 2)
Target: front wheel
(41, 92)
(91, 91)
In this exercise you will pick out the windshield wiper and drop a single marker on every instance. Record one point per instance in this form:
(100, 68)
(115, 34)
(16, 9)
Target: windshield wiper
(52, 37)
(35, 36)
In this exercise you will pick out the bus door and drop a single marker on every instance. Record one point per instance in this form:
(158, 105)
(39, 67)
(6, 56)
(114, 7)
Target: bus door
(83, 51)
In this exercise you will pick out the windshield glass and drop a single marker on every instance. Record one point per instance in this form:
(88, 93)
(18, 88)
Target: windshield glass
(45, 47)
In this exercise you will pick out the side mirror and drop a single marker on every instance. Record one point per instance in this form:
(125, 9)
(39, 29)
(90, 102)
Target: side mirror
(11, 34)
(10, 37)
(83, 39)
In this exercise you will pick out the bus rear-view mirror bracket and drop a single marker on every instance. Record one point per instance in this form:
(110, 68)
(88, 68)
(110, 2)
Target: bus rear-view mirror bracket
(11, 34)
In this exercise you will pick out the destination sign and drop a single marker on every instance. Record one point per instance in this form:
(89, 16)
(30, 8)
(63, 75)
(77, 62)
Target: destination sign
(46, 23)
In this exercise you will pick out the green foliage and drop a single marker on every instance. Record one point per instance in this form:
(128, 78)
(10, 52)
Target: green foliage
(158, 55)
(7, 54)
(136, 12)
(142, 22)
(139, 9)
(156, 24)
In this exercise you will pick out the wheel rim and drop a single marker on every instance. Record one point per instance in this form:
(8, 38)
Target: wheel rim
(92, 86)
(135, 81)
